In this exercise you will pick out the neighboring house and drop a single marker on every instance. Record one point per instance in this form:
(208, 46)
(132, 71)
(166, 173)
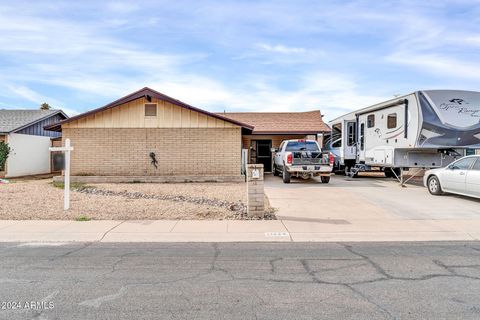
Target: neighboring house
(271, 128)
(24, 132)
(149, 134)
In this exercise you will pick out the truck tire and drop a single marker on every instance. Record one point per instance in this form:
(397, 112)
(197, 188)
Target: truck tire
(325, 179)
(275, 171)
(286, 176)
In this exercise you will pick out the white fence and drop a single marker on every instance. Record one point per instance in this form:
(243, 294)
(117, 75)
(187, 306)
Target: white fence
(29, 155)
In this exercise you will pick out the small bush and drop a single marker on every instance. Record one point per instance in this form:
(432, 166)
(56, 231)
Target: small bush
(4, 152)
(83, 218)
(73, 186)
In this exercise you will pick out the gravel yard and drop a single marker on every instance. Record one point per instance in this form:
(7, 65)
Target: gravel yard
(40, 199)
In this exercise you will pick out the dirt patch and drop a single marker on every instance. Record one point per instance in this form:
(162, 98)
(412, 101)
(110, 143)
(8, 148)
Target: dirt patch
(40, 199)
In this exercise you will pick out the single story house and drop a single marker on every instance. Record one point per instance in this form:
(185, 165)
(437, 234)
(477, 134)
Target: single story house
(23, 131)
(148, 136)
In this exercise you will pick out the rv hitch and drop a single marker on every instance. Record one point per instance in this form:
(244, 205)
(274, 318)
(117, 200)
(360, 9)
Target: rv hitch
(451, 152)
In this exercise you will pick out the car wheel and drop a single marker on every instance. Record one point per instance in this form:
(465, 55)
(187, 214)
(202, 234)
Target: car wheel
(434, 186)
(325, 179)
(286, 176)
(275, 171)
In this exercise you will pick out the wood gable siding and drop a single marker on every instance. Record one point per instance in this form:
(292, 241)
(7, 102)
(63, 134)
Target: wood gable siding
(132, 115)
(37, 129)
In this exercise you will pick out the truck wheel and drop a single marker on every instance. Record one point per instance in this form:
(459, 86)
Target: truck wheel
(286, 176)
(275, 171)
(434, 186)
(325, 179)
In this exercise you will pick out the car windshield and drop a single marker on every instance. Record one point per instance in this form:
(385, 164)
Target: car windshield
(302, 146)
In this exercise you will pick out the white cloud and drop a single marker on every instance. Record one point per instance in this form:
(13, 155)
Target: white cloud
(279, 48)
(438, 64)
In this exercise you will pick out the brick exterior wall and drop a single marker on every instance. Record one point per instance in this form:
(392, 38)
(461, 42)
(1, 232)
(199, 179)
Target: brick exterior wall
(179, 151)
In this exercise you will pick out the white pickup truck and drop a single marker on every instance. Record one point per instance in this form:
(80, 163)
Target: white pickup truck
(302, 158)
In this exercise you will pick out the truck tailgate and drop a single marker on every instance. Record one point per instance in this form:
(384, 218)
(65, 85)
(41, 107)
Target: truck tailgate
(310, 158)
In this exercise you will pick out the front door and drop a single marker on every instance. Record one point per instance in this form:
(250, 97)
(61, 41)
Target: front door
(261, 153)
(350, 142)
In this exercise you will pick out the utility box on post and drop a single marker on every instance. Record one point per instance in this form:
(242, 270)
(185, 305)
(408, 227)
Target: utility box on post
(255, 191)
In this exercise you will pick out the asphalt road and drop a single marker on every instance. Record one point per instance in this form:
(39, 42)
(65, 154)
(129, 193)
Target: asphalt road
(439, 280)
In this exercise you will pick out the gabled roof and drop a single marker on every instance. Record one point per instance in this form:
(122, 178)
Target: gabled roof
(148, 93)
(310, 122)
(15, 120)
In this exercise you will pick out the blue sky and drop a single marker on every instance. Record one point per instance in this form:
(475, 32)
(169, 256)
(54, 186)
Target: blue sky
(235, 55)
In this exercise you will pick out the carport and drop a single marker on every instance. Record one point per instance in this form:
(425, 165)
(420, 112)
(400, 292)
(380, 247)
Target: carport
(271, 128)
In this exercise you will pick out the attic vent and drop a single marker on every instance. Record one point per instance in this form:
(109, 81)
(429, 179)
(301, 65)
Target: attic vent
(150, 109)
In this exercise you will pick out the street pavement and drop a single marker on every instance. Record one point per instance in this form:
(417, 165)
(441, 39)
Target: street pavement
(364, 280)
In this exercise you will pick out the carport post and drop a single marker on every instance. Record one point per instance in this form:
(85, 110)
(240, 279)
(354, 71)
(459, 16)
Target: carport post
(66, 185)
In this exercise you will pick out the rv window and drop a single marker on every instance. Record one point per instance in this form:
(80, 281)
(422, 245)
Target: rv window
(371, 121)
(362, 136)
(336, 136)
(392, 121)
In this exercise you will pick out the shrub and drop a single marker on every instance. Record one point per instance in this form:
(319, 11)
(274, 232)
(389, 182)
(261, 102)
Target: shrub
(4, 152)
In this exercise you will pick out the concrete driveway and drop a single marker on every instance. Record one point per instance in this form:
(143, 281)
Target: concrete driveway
(370, 204)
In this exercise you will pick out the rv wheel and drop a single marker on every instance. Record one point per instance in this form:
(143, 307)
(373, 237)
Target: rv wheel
(434, 186)
(325, 179)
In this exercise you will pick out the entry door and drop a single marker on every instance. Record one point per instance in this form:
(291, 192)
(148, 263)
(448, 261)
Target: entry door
(361, 142)
(263, 153)
(455, 175)
(350, 142)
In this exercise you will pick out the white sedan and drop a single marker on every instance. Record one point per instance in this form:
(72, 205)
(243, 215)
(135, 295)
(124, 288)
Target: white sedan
(460, 177)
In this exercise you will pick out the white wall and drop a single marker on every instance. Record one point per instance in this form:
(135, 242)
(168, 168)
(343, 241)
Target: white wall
(29, 155)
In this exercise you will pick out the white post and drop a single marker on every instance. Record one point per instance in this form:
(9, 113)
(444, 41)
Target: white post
(66, 198)
(66, 185)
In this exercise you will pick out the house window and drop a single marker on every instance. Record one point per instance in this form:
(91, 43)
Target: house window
(392, 121)
(371, 121)
(150, 109)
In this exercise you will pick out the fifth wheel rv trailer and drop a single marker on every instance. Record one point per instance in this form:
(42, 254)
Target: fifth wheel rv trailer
(424, 129)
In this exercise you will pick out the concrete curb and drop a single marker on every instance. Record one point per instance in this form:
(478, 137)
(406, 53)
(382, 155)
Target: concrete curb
(232, 231)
